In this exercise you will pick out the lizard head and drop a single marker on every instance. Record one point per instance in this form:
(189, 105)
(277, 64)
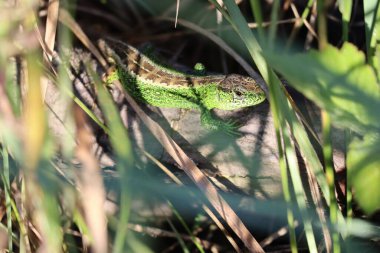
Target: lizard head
(237, 91)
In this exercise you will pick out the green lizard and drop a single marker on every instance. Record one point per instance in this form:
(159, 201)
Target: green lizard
(151, 83)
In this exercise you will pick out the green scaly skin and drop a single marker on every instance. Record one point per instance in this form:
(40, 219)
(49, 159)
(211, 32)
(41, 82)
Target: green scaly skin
(153, 84)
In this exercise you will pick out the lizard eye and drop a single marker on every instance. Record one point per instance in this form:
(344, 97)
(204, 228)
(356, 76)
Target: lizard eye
(238, 95)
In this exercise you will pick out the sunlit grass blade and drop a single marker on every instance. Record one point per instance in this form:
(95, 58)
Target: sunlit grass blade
(37, 152)
(6, 182)
(92, 191)
(124, 159)
(371, 19)
(272, 26)
(81, 223)
(345, 7)
(330, 177)
(67, 98)
(257, 13)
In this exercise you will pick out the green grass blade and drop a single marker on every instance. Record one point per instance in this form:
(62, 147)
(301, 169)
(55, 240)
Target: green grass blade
(330, 176)
(183, 223)
(273, 22)
(6, 182)
(371, 11)
(124, 159)
(181, 242)
(256, 10)
(345, 7)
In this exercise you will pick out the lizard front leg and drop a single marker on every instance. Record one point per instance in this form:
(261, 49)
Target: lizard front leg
(209, 121)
